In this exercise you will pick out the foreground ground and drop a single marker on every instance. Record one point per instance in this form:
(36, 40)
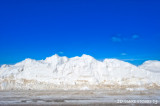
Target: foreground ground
(84, 97)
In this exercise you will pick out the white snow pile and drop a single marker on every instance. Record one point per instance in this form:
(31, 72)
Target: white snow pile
(151, 65)
(81, 73)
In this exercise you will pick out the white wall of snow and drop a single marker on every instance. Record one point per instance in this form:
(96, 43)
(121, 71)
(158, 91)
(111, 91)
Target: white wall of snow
(57, 72)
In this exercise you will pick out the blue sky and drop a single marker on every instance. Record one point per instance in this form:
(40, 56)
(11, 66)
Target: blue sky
(124, 29)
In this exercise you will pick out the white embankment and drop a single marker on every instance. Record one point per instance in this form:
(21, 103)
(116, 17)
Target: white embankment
(81, 73)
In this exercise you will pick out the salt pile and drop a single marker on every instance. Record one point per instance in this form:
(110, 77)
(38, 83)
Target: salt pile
(81, 73)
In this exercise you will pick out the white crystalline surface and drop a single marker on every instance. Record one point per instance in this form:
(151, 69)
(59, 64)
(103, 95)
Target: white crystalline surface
(83, 72)
(151, 65)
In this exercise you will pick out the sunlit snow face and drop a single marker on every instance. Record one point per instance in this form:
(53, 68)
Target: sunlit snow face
(77, 73)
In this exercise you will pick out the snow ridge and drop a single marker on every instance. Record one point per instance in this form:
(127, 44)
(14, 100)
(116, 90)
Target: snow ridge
(57, 72)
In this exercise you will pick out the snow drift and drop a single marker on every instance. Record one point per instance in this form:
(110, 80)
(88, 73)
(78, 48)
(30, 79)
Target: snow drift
(83, 72)
(151, 65)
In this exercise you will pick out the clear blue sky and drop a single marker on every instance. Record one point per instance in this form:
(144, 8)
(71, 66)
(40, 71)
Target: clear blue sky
(122, 29)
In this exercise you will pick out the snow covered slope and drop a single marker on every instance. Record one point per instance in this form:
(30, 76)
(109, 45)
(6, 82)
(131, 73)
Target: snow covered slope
(151, 65)
(83, 72)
